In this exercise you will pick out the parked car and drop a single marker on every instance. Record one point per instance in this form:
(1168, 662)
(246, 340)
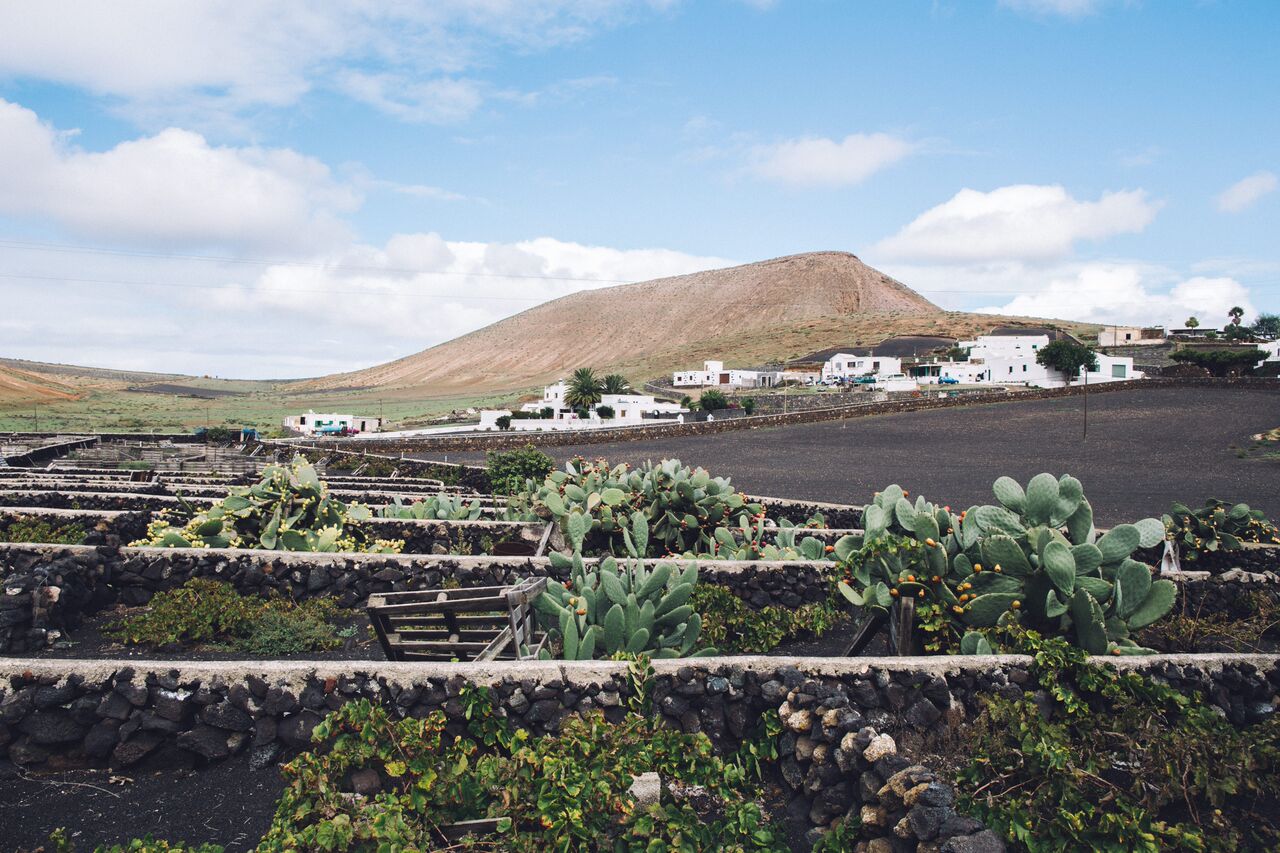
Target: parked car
(865, 380)
(948, 380)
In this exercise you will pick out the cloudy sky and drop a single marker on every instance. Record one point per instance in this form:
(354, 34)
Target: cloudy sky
(285, 188)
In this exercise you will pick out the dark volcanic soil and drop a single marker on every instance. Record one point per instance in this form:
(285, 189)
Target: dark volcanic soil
(229, 803)
(1145, 448)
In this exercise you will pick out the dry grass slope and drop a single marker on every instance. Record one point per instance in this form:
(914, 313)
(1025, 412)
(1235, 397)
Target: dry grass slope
(767, 311)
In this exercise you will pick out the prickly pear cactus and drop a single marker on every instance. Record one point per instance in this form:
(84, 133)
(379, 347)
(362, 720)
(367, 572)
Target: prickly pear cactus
(433, 508)
(289, 509)
(683, 506)
(621, 607)
(1035, 557)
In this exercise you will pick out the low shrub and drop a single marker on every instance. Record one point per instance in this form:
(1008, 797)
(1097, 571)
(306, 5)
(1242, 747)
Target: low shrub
(1105, 760)
(731, 625)
(713, 401)
(510, 470)
(205, 611)
(605, 412)
(27, 528)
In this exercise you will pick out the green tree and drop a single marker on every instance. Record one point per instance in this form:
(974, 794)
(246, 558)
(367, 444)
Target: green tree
(749, 405)
(616, 383)
(1267, 325)
(1236, 313)
(1220, 362)
(686, 402)
(584, 389)
(1192, 322)
(1067, 357)
(712, 401)
(605, 412)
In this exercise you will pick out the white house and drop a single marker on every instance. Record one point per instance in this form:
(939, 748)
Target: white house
(714, 374)
(963, 372)
(1010, 359)
(552, 398)
(1120, 336)
(322, 424)
(844, 365)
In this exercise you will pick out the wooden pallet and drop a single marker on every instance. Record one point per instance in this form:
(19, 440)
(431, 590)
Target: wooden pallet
(478, 624)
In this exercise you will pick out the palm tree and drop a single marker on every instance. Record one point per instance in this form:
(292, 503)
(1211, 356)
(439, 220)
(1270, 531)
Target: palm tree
(584, 389)
(1235, 314)
(616, 383)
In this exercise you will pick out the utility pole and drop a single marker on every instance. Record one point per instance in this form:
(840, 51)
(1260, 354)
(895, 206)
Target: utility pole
(1086, 401)
(37, 417)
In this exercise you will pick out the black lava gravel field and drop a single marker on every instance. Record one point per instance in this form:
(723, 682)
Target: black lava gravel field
(1144, 448)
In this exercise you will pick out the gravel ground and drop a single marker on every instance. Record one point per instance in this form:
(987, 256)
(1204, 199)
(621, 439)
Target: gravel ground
(1144, 448)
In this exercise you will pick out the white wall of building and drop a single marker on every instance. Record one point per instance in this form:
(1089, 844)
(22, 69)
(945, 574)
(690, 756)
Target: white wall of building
(312, 422)
(714, 374)
(845, 365)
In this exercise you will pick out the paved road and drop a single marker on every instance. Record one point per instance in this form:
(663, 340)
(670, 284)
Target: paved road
(1144, 448)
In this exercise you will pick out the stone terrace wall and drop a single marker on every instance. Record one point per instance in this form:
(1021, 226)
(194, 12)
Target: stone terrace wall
(48, 589)
(508, 441)
(849, 726)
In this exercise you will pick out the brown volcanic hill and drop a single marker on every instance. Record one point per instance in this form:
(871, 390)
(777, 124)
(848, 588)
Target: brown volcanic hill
(656, 326)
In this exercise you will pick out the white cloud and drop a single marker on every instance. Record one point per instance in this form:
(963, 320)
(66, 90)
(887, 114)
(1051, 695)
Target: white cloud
(442, 100)
(1063, 8)
(1122, 293)
(173, 188)
(826, 162)
(162, 59)
(1016, 222)
(377, 303)
(1246, 191)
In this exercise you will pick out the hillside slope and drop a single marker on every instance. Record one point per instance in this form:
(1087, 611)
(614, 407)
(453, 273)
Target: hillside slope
(655, 326)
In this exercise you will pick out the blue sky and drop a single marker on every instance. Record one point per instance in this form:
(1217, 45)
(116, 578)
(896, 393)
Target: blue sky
(363, 184)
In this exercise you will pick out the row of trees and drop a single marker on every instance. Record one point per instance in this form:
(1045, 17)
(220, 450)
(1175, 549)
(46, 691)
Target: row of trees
(1265, 326)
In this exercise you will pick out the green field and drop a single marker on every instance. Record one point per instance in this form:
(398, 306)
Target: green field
(239, 404)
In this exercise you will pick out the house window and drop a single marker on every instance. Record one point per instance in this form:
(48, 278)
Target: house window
(1024, 368)
(1117, 371)
(302, 421)
(875, 365)
(1128, 336)
(1011, 368)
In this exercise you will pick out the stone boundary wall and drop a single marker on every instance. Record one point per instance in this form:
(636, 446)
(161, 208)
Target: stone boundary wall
(473, 477)
(849, 726)
(175, 437)
(425, 536)
(509, 441)
(49, 589)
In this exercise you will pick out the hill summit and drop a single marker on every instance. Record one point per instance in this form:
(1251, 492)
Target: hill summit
(652, 327)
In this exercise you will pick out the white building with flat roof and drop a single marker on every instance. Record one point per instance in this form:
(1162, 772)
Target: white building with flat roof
(714, 374)
(312, 423)
(845, 365)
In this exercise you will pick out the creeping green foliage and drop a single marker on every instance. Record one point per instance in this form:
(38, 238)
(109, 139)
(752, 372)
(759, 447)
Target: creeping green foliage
(1114, 761)
(730, 625)
(209, 611)
(289, 509)
(25, 528)
(568, 791)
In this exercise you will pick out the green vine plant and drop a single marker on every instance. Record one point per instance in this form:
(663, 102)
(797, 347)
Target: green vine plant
(568, 792)
(1108, 760)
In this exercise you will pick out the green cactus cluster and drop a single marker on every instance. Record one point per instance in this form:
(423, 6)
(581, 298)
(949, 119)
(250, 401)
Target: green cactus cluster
(613, 607)
(1217, 526)
(759, 540)
(435, 508)
(1035, 556)
(683, 506)
(288, 509)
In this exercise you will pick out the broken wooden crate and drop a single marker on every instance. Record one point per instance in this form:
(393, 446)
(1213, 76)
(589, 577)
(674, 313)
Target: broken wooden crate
(478, 624)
